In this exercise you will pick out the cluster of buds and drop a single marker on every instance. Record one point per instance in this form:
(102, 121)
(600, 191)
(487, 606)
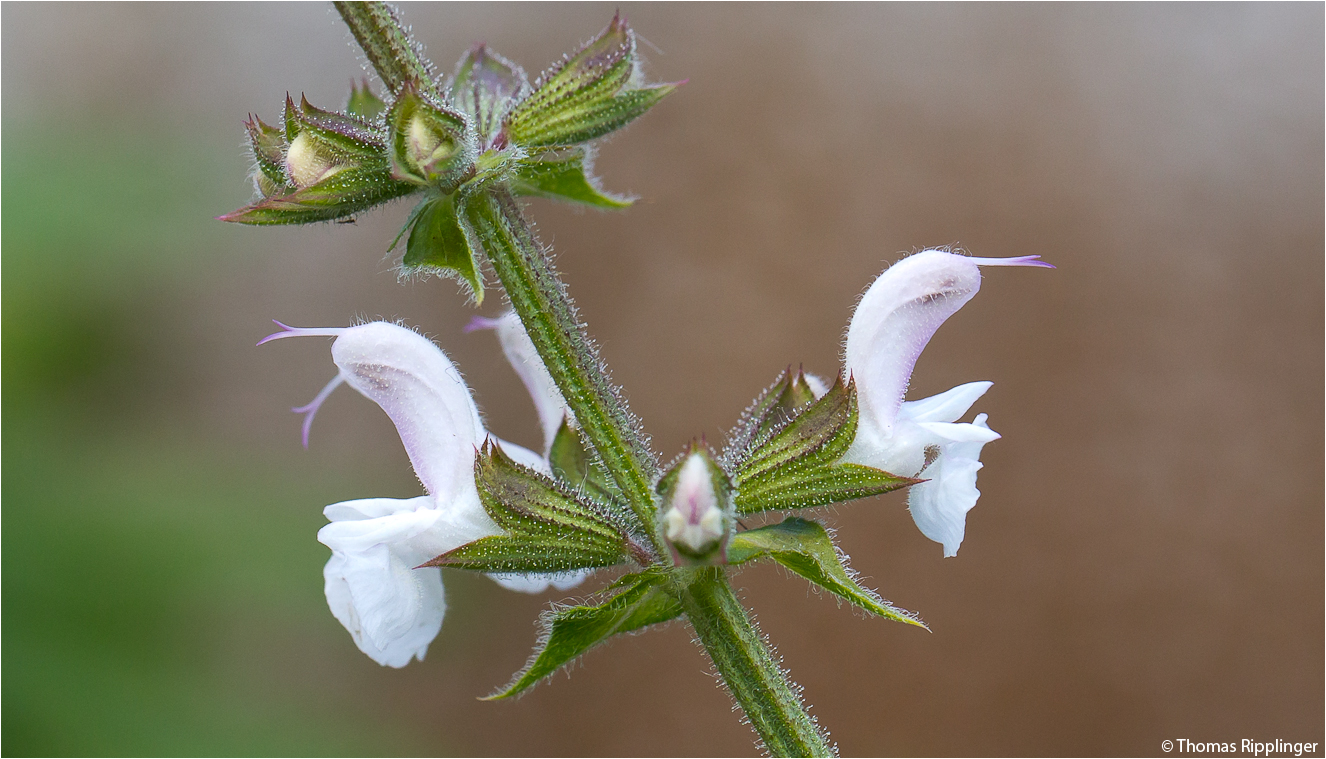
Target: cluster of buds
(486, 127)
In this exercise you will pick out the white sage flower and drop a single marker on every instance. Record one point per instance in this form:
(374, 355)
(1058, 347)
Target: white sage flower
(391, 609)
(891, 326)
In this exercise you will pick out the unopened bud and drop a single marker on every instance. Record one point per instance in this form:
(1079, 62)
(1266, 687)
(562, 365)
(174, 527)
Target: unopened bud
(696, 521)
(428, 142)
(307, 162)
(423, 145)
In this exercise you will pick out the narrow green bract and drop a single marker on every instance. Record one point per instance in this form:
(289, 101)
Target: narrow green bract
(641, 600)
(363, 103)
(806, 548)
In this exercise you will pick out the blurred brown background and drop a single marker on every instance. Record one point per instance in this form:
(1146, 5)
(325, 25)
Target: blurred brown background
(1146, 561)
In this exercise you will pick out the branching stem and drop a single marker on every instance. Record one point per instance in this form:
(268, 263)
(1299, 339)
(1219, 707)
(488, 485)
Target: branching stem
(736, 647)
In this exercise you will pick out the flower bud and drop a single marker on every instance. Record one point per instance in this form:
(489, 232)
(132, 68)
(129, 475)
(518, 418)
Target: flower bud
(698, 516)
(429, 143)
(307, 162)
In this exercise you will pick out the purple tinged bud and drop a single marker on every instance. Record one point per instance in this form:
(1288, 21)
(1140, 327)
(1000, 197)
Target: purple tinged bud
(697, 514)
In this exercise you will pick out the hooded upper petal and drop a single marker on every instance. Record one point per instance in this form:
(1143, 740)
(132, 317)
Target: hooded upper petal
(892, 325)
(423, 393)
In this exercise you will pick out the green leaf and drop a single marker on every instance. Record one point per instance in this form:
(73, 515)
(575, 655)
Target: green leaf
(567, 178)
(363, 103)
(439, 241)
(485, 86)
(548, 527)
(569, 632)
(804, 488)
(807, 549)
(429, 144)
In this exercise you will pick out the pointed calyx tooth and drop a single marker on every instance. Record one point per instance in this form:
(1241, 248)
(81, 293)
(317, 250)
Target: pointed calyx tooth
(697, 515)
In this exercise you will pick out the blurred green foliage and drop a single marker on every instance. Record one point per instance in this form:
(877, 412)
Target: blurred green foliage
(161, 592)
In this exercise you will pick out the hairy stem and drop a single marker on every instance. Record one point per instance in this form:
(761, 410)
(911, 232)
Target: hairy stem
(388, 45)
(747, 665)
(540, 300)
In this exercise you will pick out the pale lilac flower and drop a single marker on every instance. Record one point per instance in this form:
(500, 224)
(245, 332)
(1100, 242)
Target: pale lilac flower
(392, 610)
(891, 326)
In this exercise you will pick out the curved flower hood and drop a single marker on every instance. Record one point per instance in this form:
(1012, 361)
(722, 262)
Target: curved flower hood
(892, 324)
(392, 610)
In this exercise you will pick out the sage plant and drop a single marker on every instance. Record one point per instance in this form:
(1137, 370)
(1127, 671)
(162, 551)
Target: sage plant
(467, 147)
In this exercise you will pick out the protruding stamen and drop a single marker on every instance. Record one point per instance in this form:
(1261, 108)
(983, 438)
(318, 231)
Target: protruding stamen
(1014, 261)
(288, 331)
(310, 410)
(481, 322)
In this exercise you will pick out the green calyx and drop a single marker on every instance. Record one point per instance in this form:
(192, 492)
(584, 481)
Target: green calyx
(319, 166)
(485, 86)
(784, 455)
(548, 527)
(430, 144)
(595, 91)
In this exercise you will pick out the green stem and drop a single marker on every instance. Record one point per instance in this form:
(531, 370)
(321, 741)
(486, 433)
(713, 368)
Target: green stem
(748, 667)
(389, 47)
(540, 300)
